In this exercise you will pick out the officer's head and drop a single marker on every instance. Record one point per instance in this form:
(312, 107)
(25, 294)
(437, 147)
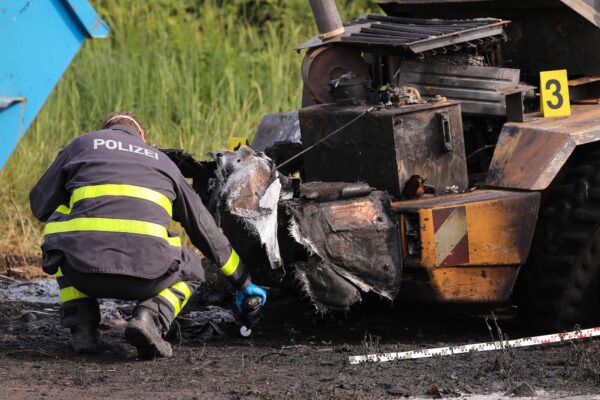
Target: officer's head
(126, 119)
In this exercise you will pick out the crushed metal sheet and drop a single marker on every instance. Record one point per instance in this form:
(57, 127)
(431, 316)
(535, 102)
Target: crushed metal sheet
(353, 247)
(247, 187)
(333, 242)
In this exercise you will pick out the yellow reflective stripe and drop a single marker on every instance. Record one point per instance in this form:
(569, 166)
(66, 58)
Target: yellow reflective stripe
(231, 265)
(171, 298)
(89, 192)
(58, 273)
(70, 293)
(183, 288)
(63, 209)
(112, 225)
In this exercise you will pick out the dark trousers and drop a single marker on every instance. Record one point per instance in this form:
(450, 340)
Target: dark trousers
(165, 295)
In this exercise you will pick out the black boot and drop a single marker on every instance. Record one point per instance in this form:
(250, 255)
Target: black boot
(85, 338)
(144, 331)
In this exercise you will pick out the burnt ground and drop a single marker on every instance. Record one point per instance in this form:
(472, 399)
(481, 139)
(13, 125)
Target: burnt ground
(291, 355)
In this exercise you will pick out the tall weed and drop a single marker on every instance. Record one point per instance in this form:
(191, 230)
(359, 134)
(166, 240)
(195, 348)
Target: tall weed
(195, 71)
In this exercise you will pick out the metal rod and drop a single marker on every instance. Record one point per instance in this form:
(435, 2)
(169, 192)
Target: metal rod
(327, 18)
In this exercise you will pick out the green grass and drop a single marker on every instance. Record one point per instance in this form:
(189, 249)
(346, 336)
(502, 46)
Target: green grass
(195, 71)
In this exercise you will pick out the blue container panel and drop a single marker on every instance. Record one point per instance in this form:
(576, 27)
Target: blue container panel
(39, 41)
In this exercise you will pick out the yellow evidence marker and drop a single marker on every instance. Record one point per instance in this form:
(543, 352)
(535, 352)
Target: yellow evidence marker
(554, 94)
(235, 143)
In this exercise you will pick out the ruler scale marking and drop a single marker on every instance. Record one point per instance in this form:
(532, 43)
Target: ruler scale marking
(478, 347)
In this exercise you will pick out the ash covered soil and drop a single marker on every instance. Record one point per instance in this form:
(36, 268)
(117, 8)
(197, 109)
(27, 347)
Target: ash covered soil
(290, 355)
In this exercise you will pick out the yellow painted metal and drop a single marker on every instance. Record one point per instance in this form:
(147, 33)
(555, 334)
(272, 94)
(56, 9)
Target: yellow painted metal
(472, 244)
(554, 93)
(485, 284)
(472, 284)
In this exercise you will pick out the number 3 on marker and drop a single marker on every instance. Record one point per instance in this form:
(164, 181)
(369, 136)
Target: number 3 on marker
(555, 93)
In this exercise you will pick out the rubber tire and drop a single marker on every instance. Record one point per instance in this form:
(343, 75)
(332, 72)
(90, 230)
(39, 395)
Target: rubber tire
(560, 285)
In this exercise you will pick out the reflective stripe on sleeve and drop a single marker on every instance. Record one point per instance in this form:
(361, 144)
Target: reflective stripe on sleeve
(58, 273)
(172, 299)
(112, 225)
(70, 293)
(231, 265)
(90, 192)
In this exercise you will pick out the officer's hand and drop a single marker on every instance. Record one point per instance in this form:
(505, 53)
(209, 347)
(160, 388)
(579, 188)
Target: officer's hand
(251, 290)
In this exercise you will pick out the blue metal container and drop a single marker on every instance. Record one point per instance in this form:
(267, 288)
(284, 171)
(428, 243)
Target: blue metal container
(38, 40)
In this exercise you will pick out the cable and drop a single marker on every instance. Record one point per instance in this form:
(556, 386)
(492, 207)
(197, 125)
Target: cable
(326, 137)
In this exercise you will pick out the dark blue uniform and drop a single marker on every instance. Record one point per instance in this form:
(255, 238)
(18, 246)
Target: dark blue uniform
(107, 201)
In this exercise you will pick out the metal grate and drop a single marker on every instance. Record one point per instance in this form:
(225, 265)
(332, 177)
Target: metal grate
(414, 35)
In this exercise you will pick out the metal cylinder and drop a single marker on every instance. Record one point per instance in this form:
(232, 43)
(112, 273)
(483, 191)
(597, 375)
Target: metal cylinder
(327, 18)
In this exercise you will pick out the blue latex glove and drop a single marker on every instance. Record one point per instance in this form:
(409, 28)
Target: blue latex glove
(251, 290)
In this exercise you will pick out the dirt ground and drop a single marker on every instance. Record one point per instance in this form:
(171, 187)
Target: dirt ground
(292, 355)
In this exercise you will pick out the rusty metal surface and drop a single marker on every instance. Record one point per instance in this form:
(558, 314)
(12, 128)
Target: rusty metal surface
(530, 154)
(413, 35)
(386, 147)
(324, 64)
(471, 244)
(584, 89)
(451, 200)
(459, 285)
(477, 88)
(328, 191)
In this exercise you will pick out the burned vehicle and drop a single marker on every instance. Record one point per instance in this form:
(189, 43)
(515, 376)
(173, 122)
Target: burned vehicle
(420, 167)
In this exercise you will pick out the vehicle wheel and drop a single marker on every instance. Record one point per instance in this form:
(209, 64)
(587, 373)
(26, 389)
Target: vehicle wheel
(560, 285)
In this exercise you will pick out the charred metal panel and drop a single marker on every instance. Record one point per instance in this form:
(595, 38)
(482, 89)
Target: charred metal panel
(585, 90)
(353, 247)
(543, 34)
(477, 88)
(413, 35)
(471, 244)
(386, 146)
(530, 154)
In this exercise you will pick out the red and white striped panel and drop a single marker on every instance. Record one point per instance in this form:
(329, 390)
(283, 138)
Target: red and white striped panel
(451, 236)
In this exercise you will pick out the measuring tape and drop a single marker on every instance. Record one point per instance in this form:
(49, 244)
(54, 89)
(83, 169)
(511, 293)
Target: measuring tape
(488, 346)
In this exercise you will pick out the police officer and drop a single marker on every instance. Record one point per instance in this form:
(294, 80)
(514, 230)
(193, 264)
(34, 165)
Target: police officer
(107, 201)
